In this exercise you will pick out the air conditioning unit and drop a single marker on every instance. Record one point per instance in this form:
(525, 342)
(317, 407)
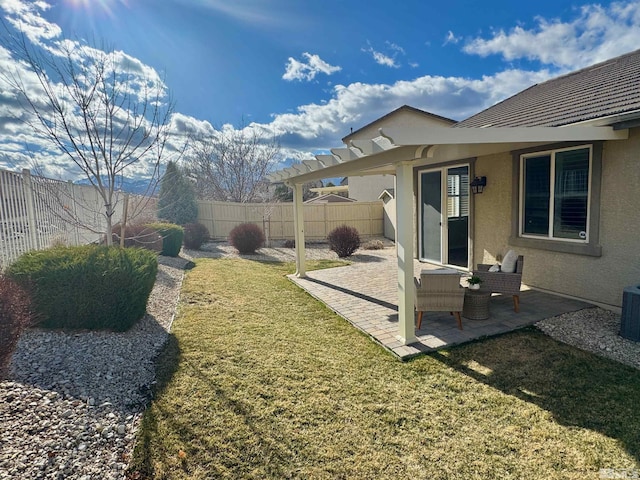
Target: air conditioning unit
(630, 323)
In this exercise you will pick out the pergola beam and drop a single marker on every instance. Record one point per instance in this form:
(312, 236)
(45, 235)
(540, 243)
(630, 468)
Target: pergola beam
(458, 136)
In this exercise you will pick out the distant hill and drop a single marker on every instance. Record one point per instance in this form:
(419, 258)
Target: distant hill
(129, 185)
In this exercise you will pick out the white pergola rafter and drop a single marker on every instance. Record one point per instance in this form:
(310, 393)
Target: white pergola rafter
(312, 165)
(373, 146)
(347, 154)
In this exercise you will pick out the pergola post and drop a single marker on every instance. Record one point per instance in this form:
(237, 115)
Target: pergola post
(298, 225)
(404, 246)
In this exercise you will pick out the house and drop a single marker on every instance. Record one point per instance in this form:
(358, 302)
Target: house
(330, 198)
(368, 188)
(561, 166)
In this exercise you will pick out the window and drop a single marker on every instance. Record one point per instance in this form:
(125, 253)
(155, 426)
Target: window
(457, 192)
(555, 194)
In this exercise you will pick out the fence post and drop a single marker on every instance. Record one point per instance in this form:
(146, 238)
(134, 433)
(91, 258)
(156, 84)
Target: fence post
(76, 220)
(326, 221)
(32, 222)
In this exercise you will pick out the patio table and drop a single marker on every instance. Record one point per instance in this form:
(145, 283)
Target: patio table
(476, 304)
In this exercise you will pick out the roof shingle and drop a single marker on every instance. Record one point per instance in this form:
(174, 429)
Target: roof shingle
(607, 88)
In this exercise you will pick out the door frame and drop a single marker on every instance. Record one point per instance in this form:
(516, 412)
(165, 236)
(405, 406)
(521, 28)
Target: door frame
(444, 224)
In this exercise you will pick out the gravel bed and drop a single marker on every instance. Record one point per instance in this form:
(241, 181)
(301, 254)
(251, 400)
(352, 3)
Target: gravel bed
(73, 403)
(278, 253)
(594, 330)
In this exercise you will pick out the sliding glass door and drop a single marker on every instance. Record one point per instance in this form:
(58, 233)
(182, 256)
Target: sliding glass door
(444, 215)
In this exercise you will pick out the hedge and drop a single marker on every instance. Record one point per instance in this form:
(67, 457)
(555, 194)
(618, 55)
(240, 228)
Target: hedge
(87, 287)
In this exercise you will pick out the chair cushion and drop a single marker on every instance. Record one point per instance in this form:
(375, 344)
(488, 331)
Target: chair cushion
(509, 262)
(495, 268)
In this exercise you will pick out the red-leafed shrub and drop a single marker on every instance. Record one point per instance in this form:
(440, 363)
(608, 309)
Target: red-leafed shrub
(195, 235)
(15, 316)
(247, 237)
(344, 240)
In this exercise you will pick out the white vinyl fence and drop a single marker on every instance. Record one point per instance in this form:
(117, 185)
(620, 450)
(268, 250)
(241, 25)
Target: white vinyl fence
(37, 212)
(277, 218)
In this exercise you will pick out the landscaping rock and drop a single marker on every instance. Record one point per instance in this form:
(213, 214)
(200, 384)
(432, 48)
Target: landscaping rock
(74, 399)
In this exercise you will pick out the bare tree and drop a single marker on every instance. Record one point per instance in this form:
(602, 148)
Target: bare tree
(231, 164)
(283, 193)
(99, 108)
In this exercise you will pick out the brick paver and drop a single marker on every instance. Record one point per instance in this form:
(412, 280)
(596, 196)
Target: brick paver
(365, 294)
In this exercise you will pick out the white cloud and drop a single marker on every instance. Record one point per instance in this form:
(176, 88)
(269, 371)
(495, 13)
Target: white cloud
(451, 38)
(356, 104)
(25, 17)
(297, 70)
(133, 77)
(387, 60)
(395, 47)
(596, 34)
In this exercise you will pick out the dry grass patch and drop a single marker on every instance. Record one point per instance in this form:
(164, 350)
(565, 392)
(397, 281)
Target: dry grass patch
(261, 381)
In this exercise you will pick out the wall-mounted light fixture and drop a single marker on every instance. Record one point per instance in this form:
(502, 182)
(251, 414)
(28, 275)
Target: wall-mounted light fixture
(478, 184)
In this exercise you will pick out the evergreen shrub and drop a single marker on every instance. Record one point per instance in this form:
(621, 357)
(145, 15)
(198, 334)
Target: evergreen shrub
(87, 287)
(195, 235)
(344, 240)
(247, 237)
(172, 236)
(176, 199)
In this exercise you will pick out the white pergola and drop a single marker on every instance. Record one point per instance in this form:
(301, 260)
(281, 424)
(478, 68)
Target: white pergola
(396, 152)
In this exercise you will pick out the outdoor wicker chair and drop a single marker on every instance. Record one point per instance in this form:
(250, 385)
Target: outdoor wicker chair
(439, 291)
(502, 282)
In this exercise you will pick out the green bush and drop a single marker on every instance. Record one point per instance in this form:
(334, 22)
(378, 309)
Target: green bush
(194, 235)
(344, 240)
(138, 236)
(88, 287)
(247, 237)
(172, 236)
(15, 316)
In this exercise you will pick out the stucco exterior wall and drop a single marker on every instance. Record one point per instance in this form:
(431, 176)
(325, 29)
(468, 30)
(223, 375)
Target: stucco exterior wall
(492, 209)
(369, 188)
(599, 279)
(399, 119)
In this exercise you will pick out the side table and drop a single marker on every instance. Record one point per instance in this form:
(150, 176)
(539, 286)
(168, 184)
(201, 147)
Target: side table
(476, 304)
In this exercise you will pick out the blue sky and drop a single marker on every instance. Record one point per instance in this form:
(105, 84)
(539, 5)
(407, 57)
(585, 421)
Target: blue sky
(308, 71)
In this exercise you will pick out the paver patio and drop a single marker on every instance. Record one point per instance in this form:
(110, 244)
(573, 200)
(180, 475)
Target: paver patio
(365, 294)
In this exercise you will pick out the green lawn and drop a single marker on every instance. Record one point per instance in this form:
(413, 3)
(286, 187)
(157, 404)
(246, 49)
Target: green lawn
(259, 380)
